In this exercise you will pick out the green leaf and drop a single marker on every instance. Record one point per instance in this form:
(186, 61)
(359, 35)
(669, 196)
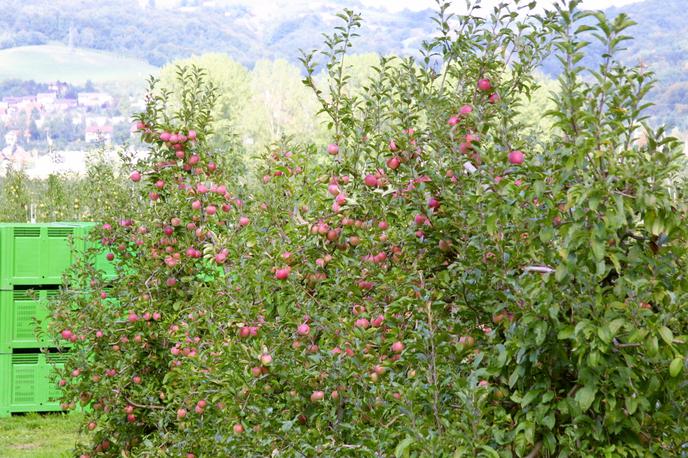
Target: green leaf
(546, 234)
(585, 397)
(597, 249)
(501, 358)
(490, 451)
(515, 375)
(491, 223)
(548, 421)
(605, 334)
(667, 335)
(530, 397)
(561, 273)
(402, 448)
(652, 346)
(615, 325)
(631, 404)
(566, 333)
(282, 308)
(675, 367)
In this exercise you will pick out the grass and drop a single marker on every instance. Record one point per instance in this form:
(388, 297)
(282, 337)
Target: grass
(39, 435)
(46, 63)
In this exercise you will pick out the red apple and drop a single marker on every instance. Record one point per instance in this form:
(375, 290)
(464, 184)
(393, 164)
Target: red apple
(516, 157)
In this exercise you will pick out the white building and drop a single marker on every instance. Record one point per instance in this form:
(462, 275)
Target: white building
(94, 99)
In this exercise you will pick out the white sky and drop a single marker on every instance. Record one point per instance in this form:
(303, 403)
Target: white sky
(416, 5)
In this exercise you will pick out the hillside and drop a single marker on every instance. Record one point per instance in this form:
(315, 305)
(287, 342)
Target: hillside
(159, 31)
(659, 43)
(662, 44)
(44, 63)
(248, 31)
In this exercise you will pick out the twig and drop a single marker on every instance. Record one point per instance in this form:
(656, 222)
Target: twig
(536, 450)
(144, 406)
(539, 269)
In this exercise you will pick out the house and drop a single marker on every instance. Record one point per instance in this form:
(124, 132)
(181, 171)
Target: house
(18, 100)
(95, 133)
(64, 104)
(94, 99)
(46, 99)
(12, 137)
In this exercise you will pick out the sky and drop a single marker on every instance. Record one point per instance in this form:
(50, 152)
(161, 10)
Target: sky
(417, 5)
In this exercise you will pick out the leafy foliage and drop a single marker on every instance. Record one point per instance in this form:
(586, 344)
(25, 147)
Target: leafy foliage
(440, 282)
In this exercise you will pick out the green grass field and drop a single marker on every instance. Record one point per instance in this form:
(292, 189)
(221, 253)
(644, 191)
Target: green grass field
(47, 63)
(38, 435)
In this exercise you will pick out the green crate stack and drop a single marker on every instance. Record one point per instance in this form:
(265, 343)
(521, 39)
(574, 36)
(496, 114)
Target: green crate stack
(29, 382)
(37, 254)
(33, 258)
(19, 310)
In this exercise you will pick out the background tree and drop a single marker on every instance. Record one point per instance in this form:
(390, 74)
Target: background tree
(15, 196)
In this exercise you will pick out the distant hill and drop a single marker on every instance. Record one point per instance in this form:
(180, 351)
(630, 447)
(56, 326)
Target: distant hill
(661, 42)
(44, 63)
(246, 30)
(159, 31)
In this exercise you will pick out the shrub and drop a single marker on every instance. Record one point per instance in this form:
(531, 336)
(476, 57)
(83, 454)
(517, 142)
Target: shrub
(440, 284)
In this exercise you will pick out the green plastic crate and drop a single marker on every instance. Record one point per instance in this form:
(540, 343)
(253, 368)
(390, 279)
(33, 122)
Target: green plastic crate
(37, 254)
(18, 309)
(28, 382)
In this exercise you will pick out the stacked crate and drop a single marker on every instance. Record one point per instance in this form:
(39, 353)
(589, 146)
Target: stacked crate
(33, 258)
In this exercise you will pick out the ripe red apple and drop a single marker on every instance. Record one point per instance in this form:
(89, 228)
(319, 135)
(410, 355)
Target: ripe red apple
(332, 149)
(282, 274)
(266, 359)
(362, 323)
(397, 347)
(135, 176)
(244, 221)
(317, 396)
(516, 157)
(303, 329)
(238, 428)
(371, 181)
(393, 162)
(484, 85)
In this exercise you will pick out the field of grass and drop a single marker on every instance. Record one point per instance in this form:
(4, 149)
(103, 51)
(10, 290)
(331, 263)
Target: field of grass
(47, 63)
(38, 435)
